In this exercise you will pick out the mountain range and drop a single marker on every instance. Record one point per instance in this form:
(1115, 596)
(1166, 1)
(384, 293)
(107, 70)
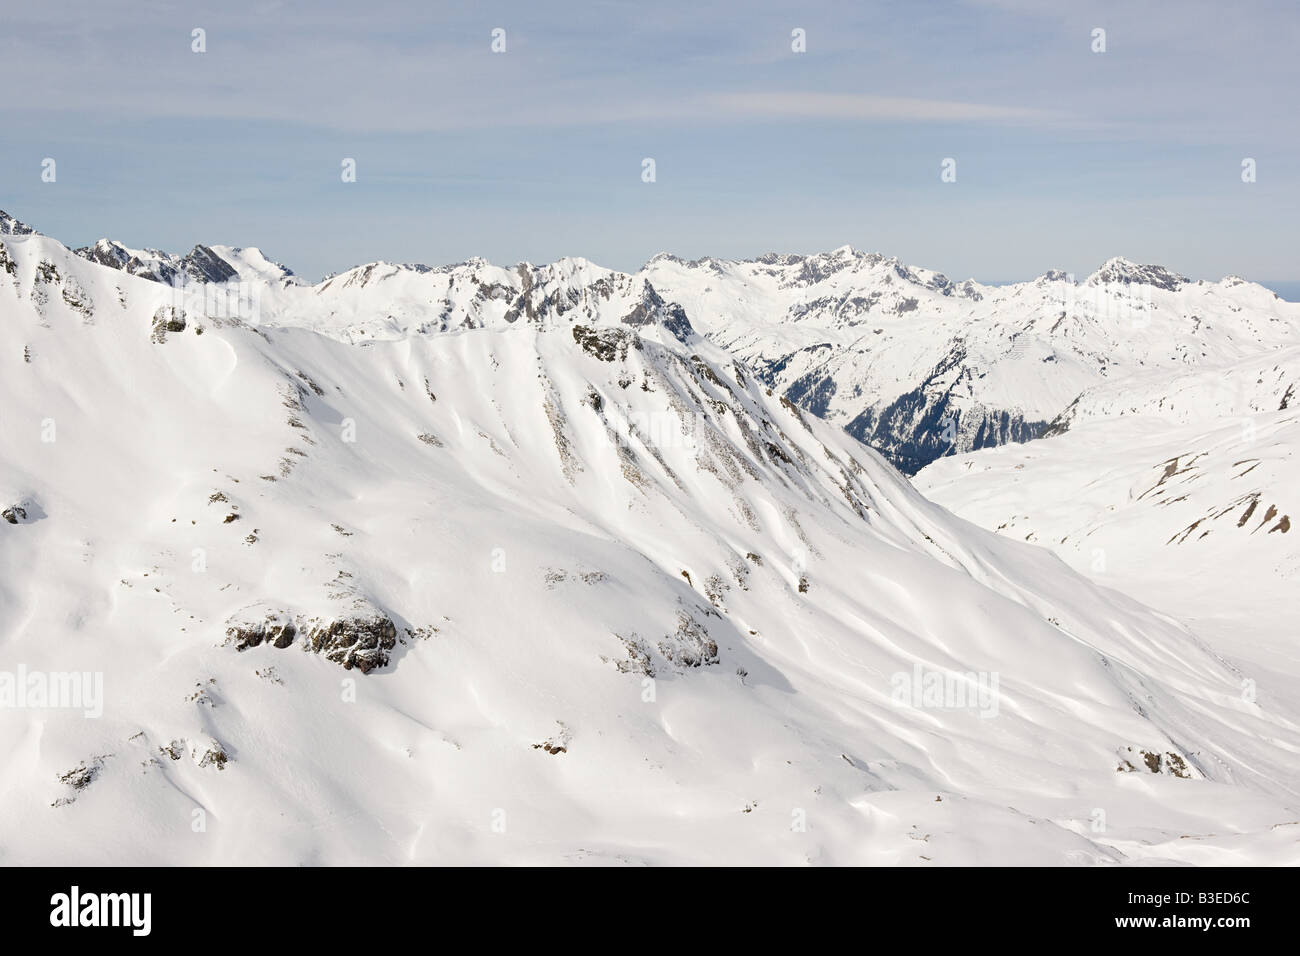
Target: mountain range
(904, 359)
(559, 564)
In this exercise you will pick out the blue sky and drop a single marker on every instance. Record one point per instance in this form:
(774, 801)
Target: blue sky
(1065, 157)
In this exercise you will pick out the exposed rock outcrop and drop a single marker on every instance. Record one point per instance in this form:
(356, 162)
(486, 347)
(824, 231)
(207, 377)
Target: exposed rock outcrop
(362, 638)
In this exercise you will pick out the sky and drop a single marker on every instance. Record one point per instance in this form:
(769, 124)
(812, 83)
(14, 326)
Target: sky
(1064, 156)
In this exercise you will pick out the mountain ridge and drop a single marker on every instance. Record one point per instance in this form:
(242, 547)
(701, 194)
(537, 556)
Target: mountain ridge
(364, 600)
(907, 360)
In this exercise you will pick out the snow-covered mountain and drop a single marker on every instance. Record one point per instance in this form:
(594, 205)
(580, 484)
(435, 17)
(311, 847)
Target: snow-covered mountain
(920, 367)
(9, 226)
(1263, 383)
(1179, 489)
(203, 264)
(473, 565)
(904, 359)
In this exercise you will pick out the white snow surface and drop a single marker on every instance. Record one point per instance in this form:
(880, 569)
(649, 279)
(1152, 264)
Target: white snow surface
(644, 611)
(851, 333)
(888, 351)
(1179, 490)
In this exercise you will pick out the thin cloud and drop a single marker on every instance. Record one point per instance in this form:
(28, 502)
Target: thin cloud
(867, 107)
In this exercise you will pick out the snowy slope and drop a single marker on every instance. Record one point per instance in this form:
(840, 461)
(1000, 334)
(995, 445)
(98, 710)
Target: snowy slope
(562, 585)
(903, 358)
(1137, 497)
(919, 367)
(1180, 490)
(1267, 382)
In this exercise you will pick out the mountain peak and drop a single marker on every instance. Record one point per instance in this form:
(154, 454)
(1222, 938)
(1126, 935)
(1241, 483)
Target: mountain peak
(9, 226)
(1126, 272)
